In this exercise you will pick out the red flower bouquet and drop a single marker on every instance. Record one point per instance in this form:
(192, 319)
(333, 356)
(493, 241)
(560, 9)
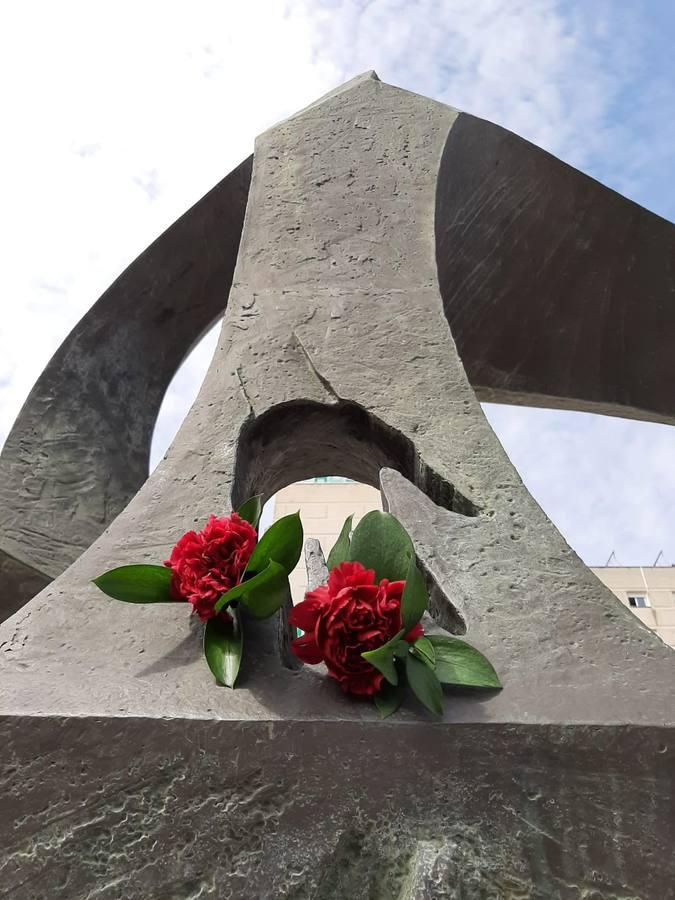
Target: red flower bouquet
(217, 570)
(346, 617)
(364, 623)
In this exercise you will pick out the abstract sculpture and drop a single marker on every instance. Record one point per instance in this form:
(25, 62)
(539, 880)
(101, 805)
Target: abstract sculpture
(398, 260)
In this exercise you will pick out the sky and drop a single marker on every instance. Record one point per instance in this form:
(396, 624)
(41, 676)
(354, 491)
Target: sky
(118, 116)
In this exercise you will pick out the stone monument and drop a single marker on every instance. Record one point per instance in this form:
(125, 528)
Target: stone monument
(384, 262)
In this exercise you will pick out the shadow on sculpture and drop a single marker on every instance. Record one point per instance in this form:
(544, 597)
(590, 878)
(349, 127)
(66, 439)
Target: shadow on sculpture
(588, 323)
(188, 648)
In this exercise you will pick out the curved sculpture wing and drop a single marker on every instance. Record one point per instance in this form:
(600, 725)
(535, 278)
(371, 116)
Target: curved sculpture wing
(559, 292)
(80, 447)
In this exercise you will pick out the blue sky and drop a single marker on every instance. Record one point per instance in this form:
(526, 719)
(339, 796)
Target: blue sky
(117, 117)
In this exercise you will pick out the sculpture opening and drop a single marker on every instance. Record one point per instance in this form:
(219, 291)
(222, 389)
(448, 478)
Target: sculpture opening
(324, 502)
(294, 441)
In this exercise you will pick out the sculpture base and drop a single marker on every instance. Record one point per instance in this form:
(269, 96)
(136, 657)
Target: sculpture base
(142, 808)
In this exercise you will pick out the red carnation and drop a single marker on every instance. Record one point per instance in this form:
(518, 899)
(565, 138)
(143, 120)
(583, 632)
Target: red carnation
(207, 563)
(346, 617)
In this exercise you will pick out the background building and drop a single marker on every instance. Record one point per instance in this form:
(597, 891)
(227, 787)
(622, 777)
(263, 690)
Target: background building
(649, 591)
(324, 504)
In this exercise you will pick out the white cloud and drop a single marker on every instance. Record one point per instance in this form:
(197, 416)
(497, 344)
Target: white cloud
(553, 73)
(119, 116)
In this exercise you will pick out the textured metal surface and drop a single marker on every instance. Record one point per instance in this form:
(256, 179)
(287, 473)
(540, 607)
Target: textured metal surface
(336, 357)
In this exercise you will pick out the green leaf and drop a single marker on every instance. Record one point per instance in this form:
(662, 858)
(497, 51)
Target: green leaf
(262, 595)
(137, 584)
(340, 551)
(423, 649)
(425, 684)
(402, 649)
(223, 644)
(459, 663)
(414, 599)
(381, 543)
(251, 510)
(390, 698)
(383, 658)
(269, 594)
(282, 542)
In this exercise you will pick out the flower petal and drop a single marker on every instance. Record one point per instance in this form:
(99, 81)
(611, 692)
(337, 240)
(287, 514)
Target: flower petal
(306, 649)
(305, 614)
(348, 574)
(393, 589)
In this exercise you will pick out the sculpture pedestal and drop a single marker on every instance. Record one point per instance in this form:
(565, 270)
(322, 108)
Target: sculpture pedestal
(132, 808)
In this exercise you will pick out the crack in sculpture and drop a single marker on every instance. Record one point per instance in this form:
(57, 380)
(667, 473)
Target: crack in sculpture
(319, 377)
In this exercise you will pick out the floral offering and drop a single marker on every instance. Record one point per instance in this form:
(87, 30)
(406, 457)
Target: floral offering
(216, 570)
(364, 623)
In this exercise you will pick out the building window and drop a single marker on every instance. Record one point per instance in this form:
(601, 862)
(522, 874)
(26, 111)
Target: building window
(640, 601)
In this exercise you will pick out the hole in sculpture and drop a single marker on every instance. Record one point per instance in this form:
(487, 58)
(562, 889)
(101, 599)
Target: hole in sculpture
(296, 440)
(284, 453)
(324, 503)
(604, 481)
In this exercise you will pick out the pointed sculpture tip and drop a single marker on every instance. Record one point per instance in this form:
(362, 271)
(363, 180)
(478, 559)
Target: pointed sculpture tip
(368, 75)
(350, 85)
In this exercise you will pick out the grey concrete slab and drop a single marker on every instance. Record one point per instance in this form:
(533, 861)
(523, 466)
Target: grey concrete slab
(130, 808)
